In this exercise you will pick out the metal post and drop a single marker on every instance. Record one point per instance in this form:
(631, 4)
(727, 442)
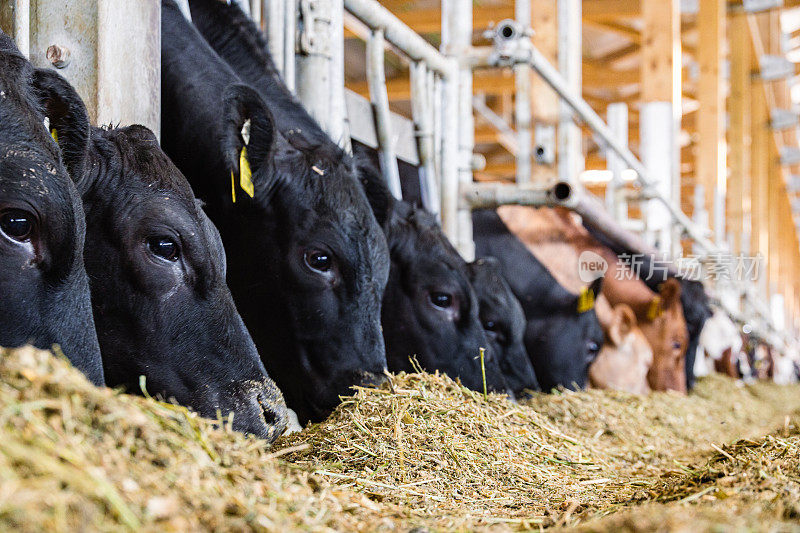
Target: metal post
(314, 82)
(339, 130)
(290, 44)
(422, 113)
(616, 202)
(376, 79)
(275, 11)
(255, 11)
(115, 55)
(456, 41)
(523, 119)
(657, 139)
(22, 26)
(570, 155)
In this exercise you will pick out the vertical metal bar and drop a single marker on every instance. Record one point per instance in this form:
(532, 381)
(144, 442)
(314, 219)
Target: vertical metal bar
(115, 51)
(314, 82)
(255, 11)
(523, 119)
(244, 5)
(22, 26)
(657, 139)
(290, 44)
(339, 130)
(183, 6)
(423, 125)
(450, 151)
(457, 41)
(570, 156)
(616, 203)
(378, 95)
(275, 11)
(436, 98)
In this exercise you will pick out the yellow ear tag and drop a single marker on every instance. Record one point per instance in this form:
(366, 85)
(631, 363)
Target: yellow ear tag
(54, 134)
(654, 310)
(245, 174)
(585, 300)
(233, 187)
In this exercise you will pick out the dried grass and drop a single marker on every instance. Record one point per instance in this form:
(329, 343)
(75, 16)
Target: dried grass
(422, 451)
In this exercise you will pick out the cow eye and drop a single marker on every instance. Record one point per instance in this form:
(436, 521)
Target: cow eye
(163, 247)
(441, 300)
(490, 325)
(17, 225)
(593, 347)
(676, 345)
(319, 261)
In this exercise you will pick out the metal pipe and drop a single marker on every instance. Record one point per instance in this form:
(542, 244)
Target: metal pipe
(255, 12)
(570, 155)
(456, 42)
(290, 44)
(523, 116)
(616, 203)
(449, 160)
(396, 32)
(276, 24)
(422, 115)
(553, 78)
(508, 138)
(22, 26)
(378, 95)
(314, 83)
(493, 195)
(339, 130)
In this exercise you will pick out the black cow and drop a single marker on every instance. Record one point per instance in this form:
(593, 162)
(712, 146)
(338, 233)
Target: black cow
(157, 273)
(429, 309)
(307, 260)
(44, 290)
(696, 310)
(562, 340)
(504, 322)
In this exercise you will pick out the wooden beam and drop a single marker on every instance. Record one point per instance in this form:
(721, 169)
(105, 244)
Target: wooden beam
(610, 9)
(738, 191)
(711, 170)
(660, 65)
(759, 169)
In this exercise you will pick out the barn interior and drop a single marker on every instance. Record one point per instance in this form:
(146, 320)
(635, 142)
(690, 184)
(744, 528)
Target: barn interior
(670, 129)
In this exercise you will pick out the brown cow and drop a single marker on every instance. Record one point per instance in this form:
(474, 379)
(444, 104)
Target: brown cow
(556, 239)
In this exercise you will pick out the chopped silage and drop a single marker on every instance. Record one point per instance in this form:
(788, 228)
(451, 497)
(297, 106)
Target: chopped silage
(421, 451)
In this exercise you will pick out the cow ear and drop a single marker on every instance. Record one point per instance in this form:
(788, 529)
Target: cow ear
(380, 199)
(248, 141)
(624, 322)
(68, 119)
(670, 293)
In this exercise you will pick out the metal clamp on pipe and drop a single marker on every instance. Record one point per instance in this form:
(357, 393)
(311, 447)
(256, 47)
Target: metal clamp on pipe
(509, 38)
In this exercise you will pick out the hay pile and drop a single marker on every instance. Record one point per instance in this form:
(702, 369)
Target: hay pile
(422, 451)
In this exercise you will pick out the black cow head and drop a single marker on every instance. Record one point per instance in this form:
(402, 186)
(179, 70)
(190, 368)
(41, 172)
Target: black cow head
(504, 324)
(157, 271)
(430, 311)
(563, 336)
(309, 262)
(44, 291)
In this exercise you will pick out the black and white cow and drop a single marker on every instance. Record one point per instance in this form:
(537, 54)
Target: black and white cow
(44, 290)
(307, 261)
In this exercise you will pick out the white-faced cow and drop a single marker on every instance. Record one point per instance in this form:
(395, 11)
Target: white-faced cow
(157, 273)
(307, 261)
(44, 290)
